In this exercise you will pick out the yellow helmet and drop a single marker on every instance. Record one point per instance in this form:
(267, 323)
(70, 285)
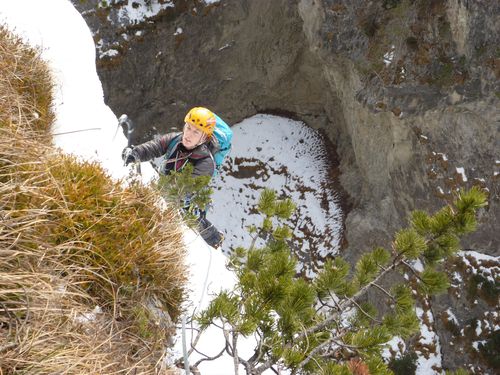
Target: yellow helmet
(201, 118)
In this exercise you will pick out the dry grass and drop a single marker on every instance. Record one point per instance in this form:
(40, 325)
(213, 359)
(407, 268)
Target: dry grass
(26, 86)
(72, 239)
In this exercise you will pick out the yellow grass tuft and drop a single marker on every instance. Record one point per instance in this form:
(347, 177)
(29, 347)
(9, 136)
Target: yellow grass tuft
(26, 86)
(92, 274)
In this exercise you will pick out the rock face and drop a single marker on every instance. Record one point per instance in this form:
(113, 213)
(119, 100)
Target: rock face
(407, 91)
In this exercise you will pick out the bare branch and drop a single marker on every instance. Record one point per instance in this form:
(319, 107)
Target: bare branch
(257, 355)
(365, 313)
(248, 366)
(195, 341)
(346, 303)
(324, 304)
(265, 366)
(229, 349)
(313, 352)
(209, 358)
(383, 290)
(235, 353)
(410, 267)
(255, 238)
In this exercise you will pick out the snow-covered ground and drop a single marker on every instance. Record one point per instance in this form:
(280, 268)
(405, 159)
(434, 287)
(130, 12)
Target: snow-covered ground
(429, 353)
(291, 158)
(137, 11)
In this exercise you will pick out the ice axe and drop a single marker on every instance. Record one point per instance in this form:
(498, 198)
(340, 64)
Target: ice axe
(129, 128)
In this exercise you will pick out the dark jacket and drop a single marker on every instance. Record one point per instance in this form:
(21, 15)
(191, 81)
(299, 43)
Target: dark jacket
(200, 157)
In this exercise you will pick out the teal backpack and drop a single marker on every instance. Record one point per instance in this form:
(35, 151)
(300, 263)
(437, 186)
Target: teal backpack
(224, 136)
(222, 133)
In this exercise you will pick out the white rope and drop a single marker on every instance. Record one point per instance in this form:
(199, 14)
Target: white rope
(184, 340)
(204, 290)
(184, 345)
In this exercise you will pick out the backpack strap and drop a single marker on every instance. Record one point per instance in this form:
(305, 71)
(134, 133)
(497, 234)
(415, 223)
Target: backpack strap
(213, 161)
(171, 149)
(172, 146)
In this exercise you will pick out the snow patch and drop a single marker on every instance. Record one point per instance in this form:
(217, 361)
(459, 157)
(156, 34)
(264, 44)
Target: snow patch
(461, 171)
(451, 317)
(225, 46)
(417, 265)
(478, 328)
(138, 11)
(291, 158)
(457, 277)
(109, 53)
(395, 345)
(443, 156)
(88, 317)
(476, 344)
(485, 265)
(429, 358)
(479, 256)
(389, 56)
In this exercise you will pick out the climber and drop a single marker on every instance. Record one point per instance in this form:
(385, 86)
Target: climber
(195, 145)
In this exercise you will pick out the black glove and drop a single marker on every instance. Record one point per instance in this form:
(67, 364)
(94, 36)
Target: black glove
(129, 156)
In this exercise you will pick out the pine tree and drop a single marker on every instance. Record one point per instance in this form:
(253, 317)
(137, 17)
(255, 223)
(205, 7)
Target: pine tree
(187, 192)
(321, 327)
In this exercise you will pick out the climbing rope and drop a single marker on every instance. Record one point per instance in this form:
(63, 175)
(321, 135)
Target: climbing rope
(183, 332)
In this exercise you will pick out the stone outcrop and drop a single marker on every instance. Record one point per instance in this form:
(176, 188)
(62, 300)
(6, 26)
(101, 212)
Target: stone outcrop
(407, 91)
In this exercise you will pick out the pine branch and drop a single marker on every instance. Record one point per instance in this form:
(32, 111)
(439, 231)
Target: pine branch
(200, 353)
(431, 238)
(255, 358)
(255, 238)
(364, 312)
(319, 348)
(229, 349)
(410, 267)
(310, 356)
(248, 366)
(265, 366)
(324, 304)
(339, 349)
(208, 358)
(348, 302)
(235, 353)
(396, 262)
(194, 370)
(334, 299)
(195, 341)
(383, 290)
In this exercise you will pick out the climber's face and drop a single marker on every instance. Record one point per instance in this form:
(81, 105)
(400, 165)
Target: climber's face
(192, 136)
